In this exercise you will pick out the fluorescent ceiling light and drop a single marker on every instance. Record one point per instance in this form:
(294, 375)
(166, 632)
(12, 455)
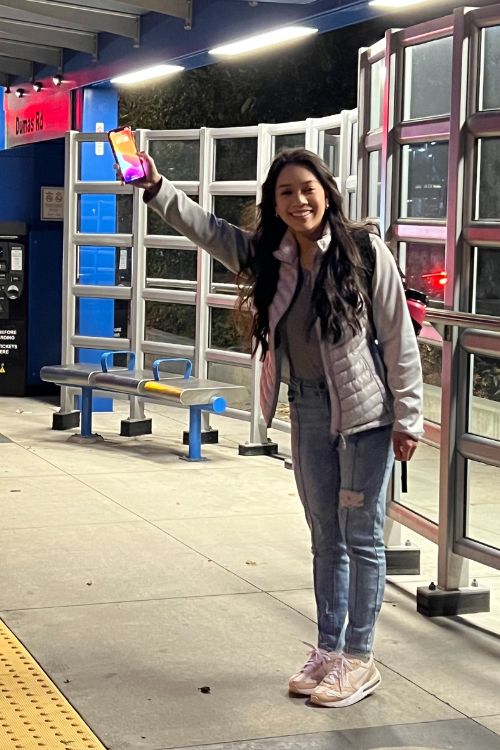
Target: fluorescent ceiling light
(278, 36)
(157, 71)
(398, 4)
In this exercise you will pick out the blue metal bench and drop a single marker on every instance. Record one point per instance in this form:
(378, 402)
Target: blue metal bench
(155, 385)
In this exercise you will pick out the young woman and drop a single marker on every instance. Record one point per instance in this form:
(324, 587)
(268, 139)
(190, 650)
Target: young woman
(330, 318)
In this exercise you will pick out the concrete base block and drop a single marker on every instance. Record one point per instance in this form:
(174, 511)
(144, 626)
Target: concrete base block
(435, 602)
(134, 427)
(258, 449)
(402, 561)
(208, 437)
(65, 420)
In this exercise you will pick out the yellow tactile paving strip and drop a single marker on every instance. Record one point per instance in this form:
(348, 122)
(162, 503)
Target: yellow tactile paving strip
(34, 715)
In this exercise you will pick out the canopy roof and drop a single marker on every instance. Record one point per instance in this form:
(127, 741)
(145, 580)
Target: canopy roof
(91, 40)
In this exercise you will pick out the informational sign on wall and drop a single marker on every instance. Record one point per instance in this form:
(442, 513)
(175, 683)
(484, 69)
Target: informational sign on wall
(36, 116)
(52, 203)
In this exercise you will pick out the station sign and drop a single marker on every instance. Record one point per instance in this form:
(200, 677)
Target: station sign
(36, 116)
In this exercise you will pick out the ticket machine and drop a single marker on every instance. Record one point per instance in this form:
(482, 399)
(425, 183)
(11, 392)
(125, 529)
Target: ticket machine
(13, 308)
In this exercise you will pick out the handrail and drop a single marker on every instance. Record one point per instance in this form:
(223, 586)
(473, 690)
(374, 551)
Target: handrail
(463, 320)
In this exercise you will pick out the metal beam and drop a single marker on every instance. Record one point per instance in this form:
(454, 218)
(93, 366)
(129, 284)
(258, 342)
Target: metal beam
(177, 8)
(122, 24)
(35, 52)
(16, 67)
(80, 41)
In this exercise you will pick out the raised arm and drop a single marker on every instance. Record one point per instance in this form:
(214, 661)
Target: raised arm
(230, 245)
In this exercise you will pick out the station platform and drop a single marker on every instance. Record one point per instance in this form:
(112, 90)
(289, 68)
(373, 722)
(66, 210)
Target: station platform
(161, 604)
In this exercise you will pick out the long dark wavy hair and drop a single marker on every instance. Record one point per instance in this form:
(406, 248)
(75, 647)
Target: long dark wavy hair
(340, 293)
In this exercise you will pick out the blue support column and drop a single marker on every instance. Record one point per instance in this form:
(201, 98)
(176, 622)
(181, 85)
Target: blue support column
(218, 406)
(194, 453)
(97, 214)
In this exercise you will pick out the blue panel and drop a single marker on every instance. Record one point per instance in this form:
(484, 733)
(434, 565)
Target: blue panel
(2, 121)
(97, 215)
(44, 317)
(17, 196)
(44, 262)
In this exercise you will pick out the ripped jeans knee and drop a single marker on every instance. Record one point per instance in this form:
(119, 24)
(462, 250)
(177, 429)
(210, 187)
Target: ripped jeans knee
(351, 499)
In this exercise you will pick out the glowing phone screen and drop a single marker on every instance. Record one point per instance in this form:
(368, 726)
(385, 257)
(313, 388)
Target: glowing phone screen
(125, 152)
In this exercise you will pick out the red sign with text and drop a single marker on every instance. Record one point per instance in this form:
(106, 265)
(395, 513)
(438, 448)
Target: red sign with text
(36, 117)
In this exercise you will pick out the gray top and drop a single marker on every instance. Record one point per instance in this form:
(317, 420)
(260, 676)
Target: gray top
(299, 335)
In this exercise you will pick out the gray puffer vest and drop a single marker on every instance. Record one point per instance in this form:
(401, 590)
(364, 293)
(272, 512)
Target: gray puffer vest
(353, 366)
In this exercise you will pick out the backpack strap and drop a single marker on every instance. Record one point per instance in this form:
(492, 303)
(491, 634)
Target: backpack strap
(364, 245)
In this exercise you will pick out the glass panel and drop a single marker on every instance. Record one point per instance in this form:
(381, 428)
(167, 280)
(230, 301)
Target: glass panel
(239, 210)
(170, 323)
(423, 482)
(97, 170)
(229, 330)
(104, 266)
(221, 275)
(234, 374)
(101, 317)
(487, 282)
(331, 150)
(177, 368)
(374, 183)
(485, 404)
(177, 160)
(483, 511)
(431, 358)
(157, 225)
(490, 69)
(424, 180)
(290, 140)
(104, 214)
(488, 191)
(236, 159)
(377, 80)
(93, 356)
(427, 79)
(163, 264)
(425, 269)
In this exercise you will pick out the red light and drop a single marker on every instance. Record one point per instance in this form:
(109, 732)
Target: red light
(437, 279)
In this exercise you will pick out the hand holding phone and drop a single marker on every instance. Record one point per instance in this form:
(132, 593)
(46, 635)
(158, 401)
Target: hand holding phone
(124, 150)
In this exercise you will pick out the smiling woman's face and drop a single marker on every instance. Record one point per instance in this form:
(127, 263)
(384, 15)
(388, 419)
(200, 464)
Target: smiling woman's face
(300, 201)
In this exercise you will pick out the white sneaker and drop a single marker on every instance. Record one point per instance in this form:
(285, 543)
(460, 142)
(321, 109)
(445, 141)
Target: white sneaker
(316, 667)
(348, 681)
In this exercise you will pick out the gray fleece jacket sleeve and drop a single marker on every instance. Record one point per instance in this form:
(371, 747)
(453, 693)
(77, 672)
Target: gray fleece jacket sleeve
(397, 342)
(227, 243)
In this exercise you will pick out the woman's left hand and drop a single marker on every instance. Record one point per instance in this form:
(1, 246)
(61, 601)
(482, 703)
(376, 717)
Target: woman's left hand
(404, 446)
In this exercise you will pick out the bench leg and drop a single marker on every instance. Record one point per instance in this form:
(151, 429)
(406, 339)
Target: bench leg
(86, 428)
(194, 453)
(86, 435)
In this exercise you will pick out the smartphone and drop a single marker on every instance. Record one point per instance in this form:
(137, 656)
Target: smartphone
(124, 149)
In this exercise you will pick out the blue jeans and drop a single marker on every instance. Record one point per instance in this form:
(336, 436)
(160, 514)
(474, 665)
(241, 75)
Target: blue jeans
(343, 488)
